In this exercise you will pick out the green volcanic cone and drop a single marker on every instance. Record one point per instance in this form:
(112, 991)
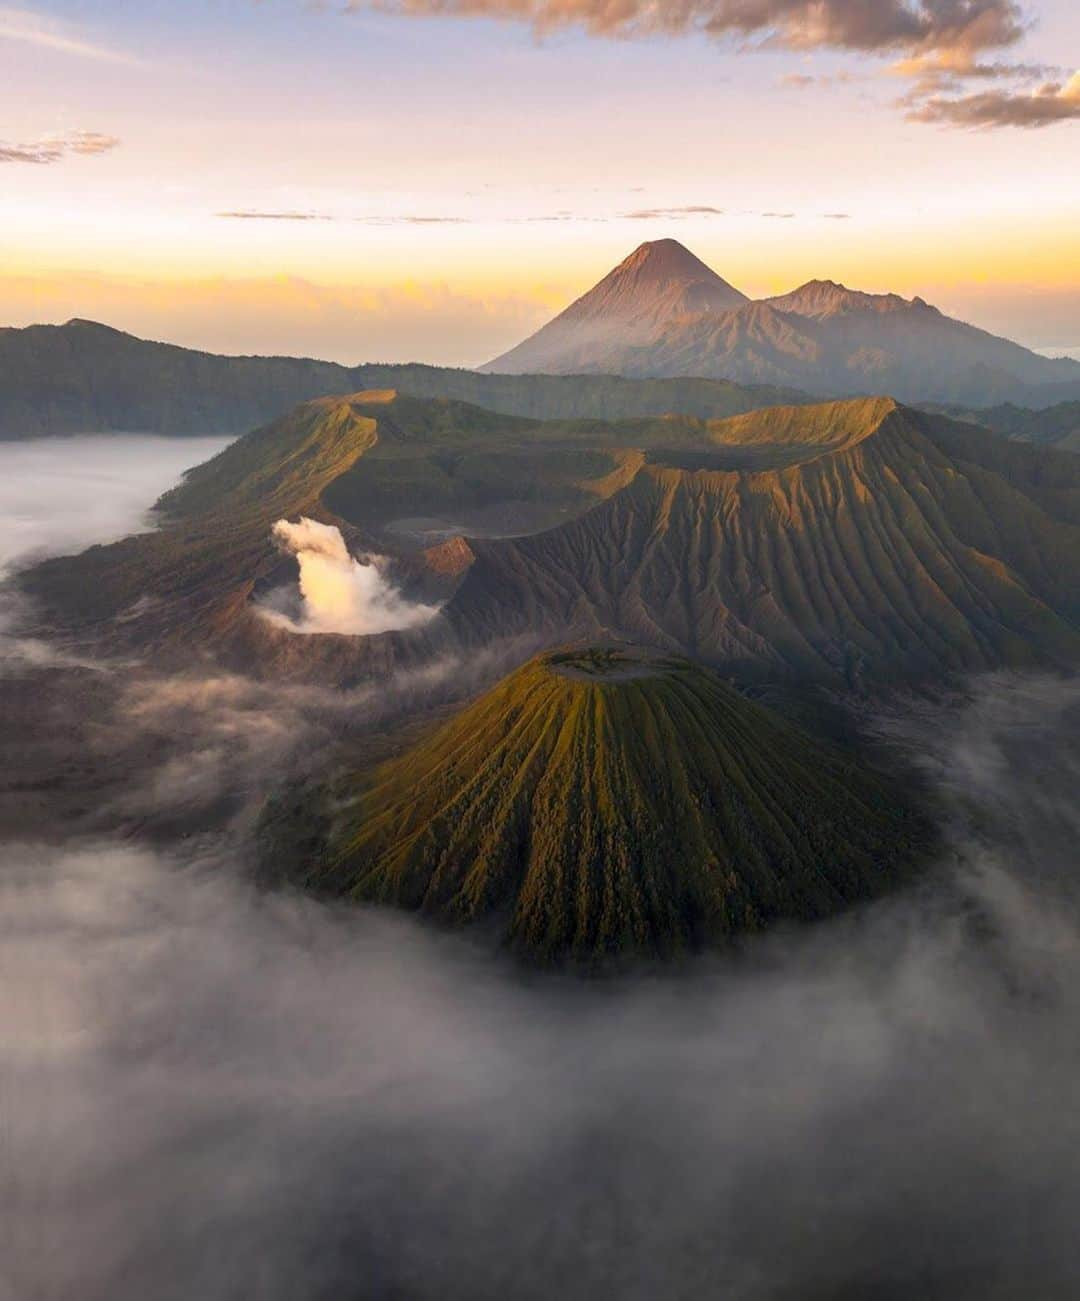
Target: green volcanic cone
(612, 801)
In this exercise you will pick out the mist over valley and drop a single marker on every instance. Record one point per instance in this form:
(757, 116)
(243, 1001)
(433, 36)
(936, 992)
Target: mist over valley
(338, 1100)
(539, 630)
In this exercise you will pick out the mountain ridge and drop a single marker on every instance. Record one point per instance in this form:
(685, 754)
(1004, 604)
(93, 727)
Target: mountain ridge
(85, 377)
(900, 549)
(1055, 426)
(822, 337)
(855, 542)
(824, 298)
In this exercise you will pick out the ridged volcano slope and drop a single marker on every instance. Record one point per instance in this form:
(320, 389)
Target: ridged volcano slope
(888, 544)
(852, 541)
(822, 338)
(189, 578)
(609, 801)
(357, 462)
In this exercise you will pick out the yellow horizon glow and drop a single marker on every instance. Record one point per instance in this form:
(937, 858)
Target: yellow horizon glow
(480, 180)
(486, 261)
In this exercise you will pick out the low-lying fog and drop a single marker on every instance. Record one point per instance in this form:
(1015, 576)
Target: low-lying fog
(63, 494)
(211, 1093)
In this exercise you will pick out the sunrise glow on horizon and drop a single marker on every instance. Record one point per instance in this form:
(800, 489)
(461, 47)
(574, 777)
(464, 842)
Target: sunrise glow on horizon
(273, 178)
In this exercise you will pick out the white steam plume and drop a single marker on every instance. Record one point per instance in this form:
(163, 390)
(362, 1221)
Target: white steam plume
(339, 593)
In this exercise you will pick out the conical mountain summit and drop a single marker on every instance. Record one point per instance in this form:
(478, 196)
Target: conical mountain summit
(608, 800)
(659, 283)
(663, 313)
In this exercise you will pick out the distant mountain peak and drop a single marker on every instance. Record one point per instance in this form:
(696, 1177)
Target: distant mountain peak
(659, 283)
(91, 327)
(662, 312)
(665, 259)
(825, 298)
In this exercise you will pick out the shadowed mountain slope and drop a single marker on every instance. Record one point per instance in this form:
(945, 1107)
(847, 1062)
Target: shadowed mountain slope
(83, 377)
(360, 462)
(847, 542)
(1056, 426)
(188, 581)
(879, 543)
(822, 338)
(192, 579)
(610, 801)
(86, 378)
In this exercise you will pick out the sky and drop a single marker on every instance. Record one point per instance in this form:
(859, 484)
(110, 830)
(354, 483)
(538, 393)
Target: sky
(432, 179)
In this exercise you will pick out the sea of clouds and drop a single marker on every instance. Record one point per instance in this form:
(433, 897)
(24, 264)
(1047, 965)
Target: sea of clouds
(58, 495)
(216, 1092)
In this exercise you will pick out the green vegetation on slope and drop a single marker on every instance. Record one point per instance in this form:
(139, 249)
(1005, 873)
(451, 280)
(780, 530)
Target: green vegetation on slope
(200, 568)
(87, 378)
(357, 462)
(612, 801)
(852, 542)
(1057, 426)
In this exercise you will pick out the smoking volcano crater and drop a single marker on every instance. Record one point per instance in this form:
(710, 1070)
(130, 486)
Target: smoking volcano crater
(854, 543)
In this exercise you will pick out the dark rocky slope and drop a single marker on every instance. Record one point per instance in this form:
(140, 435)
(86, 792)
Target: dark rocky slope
(86, 378)
(895, 546)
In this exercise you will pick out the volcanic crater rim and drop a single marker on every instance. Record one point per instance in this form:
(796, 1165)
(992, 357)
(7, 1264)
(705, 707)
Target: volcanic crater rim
(611, 663)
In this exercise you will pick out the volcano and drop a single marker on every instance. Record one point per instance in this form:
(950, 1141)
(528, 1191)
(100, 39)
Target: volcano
(658, 284)
(664, 313)
(606, 801)
(854, 540)
(853, 543)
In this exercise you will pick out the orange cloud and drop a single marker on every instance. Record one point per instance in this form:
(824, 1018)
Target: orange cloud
(941, 41)
(918, 27)
(1042, 107)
